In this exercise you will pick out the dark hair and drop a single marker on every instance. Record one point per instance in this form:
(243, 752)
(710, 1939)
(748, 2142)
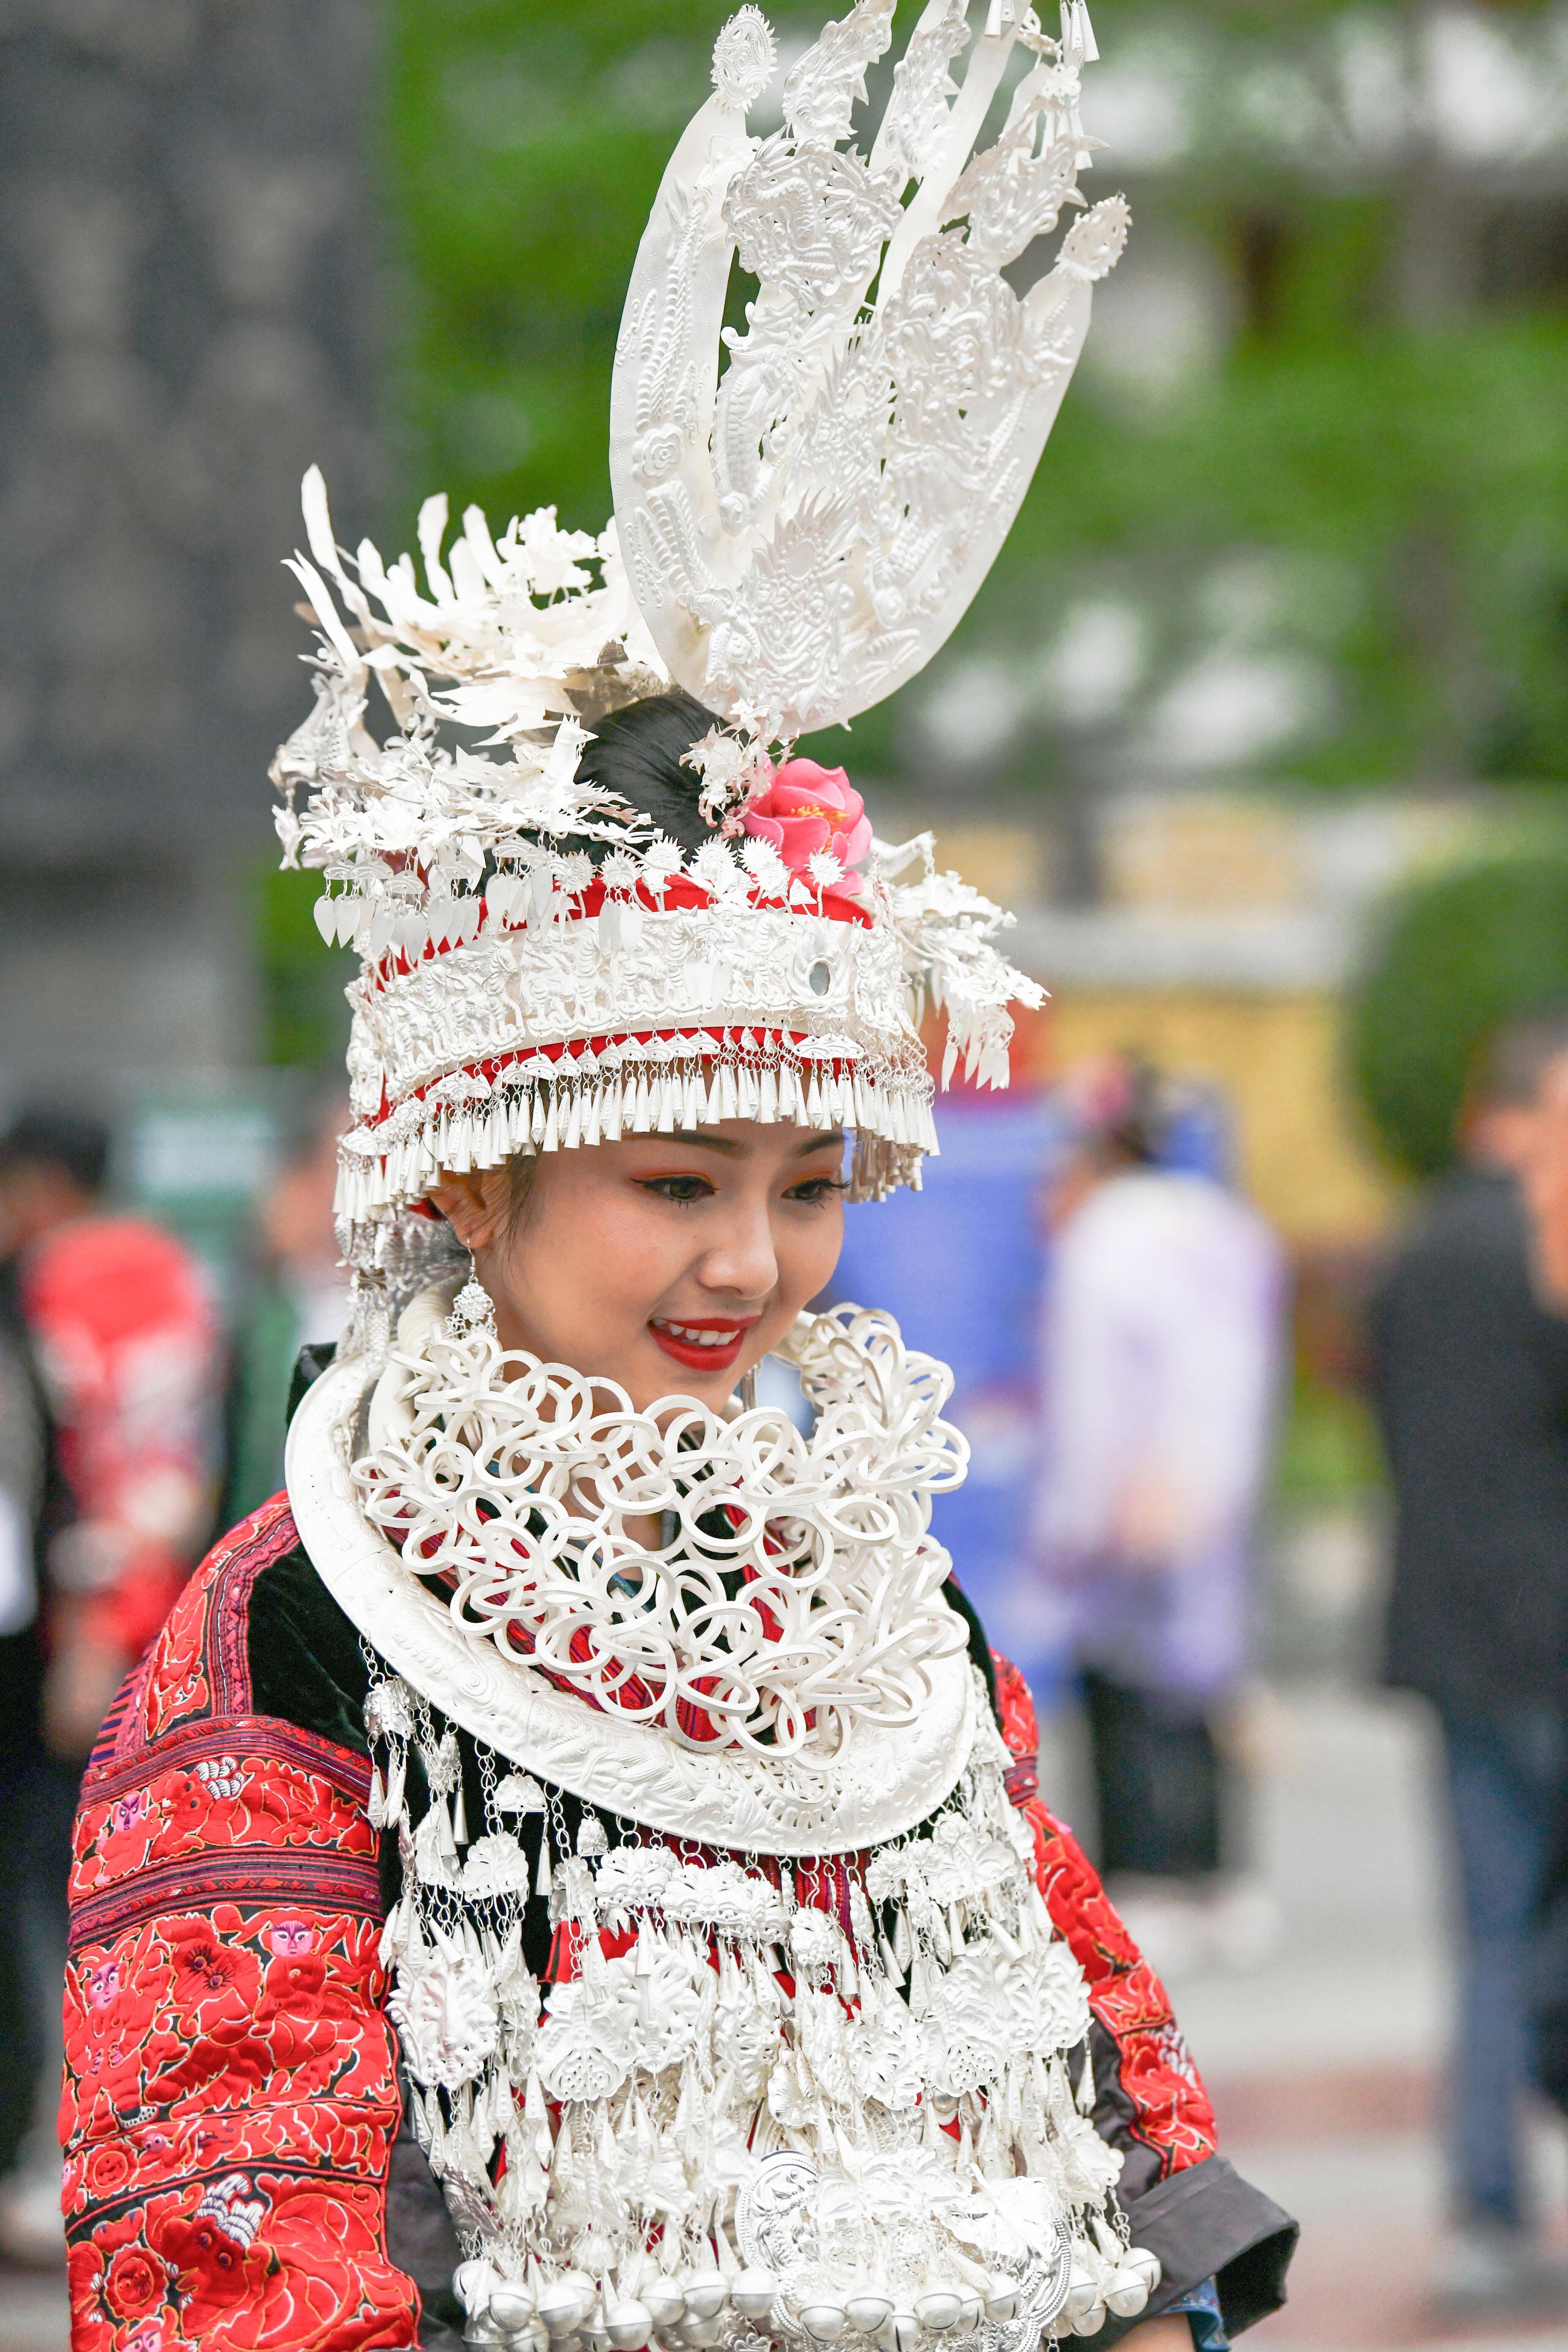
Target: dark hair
(43, 1136)
(1515, 1058)
(637, 751)
(1120, 1107)
(1141, 1130)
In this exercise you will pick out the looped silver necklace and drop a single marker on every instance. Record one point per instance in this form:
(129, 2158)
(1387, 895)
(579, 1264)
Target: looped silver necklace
(795, 1588)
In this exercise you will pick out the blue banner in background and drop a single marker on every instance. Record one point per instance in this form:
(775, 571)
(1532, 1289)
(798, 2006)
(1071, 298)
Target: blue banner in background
(961, 1266)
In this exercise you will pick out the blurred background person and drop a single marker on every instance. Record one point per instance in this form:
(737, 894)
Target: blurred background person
(1543, 1176)
(298, 1296)
(35, 1505)
(1470, 1384)
(107, 1432)
(1160, 1349)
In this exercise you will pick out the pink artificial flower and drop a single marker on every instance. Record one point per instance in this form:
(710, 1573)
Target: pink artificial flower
(806, 808)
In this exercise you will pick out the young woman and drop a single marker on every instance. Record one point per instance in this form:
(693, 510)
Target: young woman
(570, 1871)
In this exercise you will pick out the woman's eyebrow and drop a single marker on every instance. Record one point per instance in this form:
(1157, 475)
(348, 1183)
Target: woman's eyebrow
(692, 1138)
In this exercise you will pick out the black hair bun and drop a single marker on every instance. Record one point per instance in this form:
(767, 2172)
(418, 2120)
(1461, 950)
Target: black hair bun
(638, 752)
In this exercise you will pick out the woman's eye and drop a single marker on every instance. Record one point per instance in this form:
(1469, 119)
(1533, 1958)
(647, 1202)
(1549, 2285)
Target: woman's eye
(816, 1190)
(680, 1189)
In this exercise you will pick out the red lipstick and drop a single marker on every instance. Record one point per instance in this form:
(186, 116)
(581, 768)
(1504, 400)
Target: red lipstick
(677, 1335)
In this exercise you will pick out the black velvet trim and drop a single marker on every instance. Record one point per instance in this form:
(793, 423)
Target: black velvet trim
(312, 1362)
(422, 2241)
(1116, 2117)
(305, 1660)
(1208, 2223)
(979, 1648)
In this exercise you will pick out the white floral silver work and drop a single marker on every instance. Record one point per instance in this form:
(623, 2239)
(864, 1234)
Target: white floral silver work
(793, 1592)
(799, 539)
(803, 531)
(697, 1016)
(773, 2102)
(518, 995)
(883, 1784)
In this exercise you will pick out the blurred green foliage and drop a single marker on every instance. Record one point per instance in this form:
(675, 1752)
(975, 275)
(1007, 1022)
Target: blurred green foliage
(305, 1017)
(1367, 479)
(1458, 954)
(1327, 1456)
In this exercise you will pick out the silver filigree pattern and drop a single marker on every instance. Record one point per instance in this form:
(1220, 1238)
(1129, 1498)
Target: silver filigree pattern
(745, 57)
(804, 538)
(730, 2076)
(795, 1590)
(519, 994)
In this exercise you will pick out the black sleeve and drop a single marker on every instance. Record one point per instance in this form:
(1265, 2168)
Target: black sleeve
(1208, 2223)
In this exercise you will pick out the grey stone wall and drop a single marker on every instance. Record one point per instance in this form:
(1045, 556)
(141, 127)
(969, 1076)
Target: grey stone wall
(188, 266)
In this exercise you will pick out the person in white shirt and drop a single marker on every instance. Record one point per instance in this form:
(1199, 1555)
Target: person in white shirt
(1161, 1348)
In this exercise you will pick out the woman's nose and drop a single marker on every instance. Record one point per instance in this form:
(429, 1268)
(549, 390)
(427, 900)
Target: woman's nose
(743, 1259)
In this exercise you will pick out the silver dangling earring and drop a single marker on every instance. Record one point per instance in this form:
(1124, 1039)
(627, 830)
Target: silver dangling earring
(749, 1390)
(473, 1309)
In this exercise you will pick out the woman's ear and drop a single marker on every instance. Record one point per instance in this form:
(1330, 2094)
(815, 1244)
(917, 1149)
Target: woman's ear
(471, 1204)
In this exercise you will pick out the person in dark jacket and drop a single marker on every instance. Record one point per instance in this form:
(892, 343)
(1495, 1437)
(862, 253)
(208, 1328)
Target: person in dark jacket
(1470, 1377)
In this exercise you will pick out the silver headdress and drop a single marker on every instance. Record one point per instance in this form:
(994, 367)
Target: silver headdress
(794, 539)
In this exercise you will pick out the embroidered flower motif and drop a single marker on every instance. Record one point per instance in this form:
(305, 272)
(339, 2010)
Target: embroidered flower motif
(210, 1974)
(807, 809)
(297, 1983)
(236, 2212)
(136, 2284)
(220, 1776)
(108, 2169)
(1173, 2052)
(217, 2270)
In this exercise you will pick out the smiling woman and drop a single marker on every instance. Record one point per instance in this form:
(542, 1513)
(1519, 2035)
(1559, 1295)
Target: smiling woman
(699, 1249)
(571, 1871)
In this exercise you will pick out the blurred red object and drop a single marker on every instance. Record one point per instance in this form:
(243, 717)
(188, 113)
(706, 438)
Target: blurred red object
(125, 1335)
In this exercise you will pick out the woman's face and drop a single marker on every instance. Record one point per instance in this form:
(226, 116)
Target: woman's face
(668, 1263)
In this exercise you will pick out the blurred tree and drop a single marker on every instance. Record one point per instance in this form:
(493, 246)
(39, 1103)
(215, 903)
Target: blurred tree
(1306, 511)
(304, 1013)
(1456, 954)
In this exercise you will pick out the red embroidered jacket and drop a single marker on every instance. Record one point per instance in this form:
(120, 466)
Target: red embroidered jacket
(234, 2176)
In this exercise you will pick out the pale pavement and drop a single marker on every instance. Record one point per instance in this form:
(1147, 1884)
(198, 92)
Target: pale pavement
(1326, 2063)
